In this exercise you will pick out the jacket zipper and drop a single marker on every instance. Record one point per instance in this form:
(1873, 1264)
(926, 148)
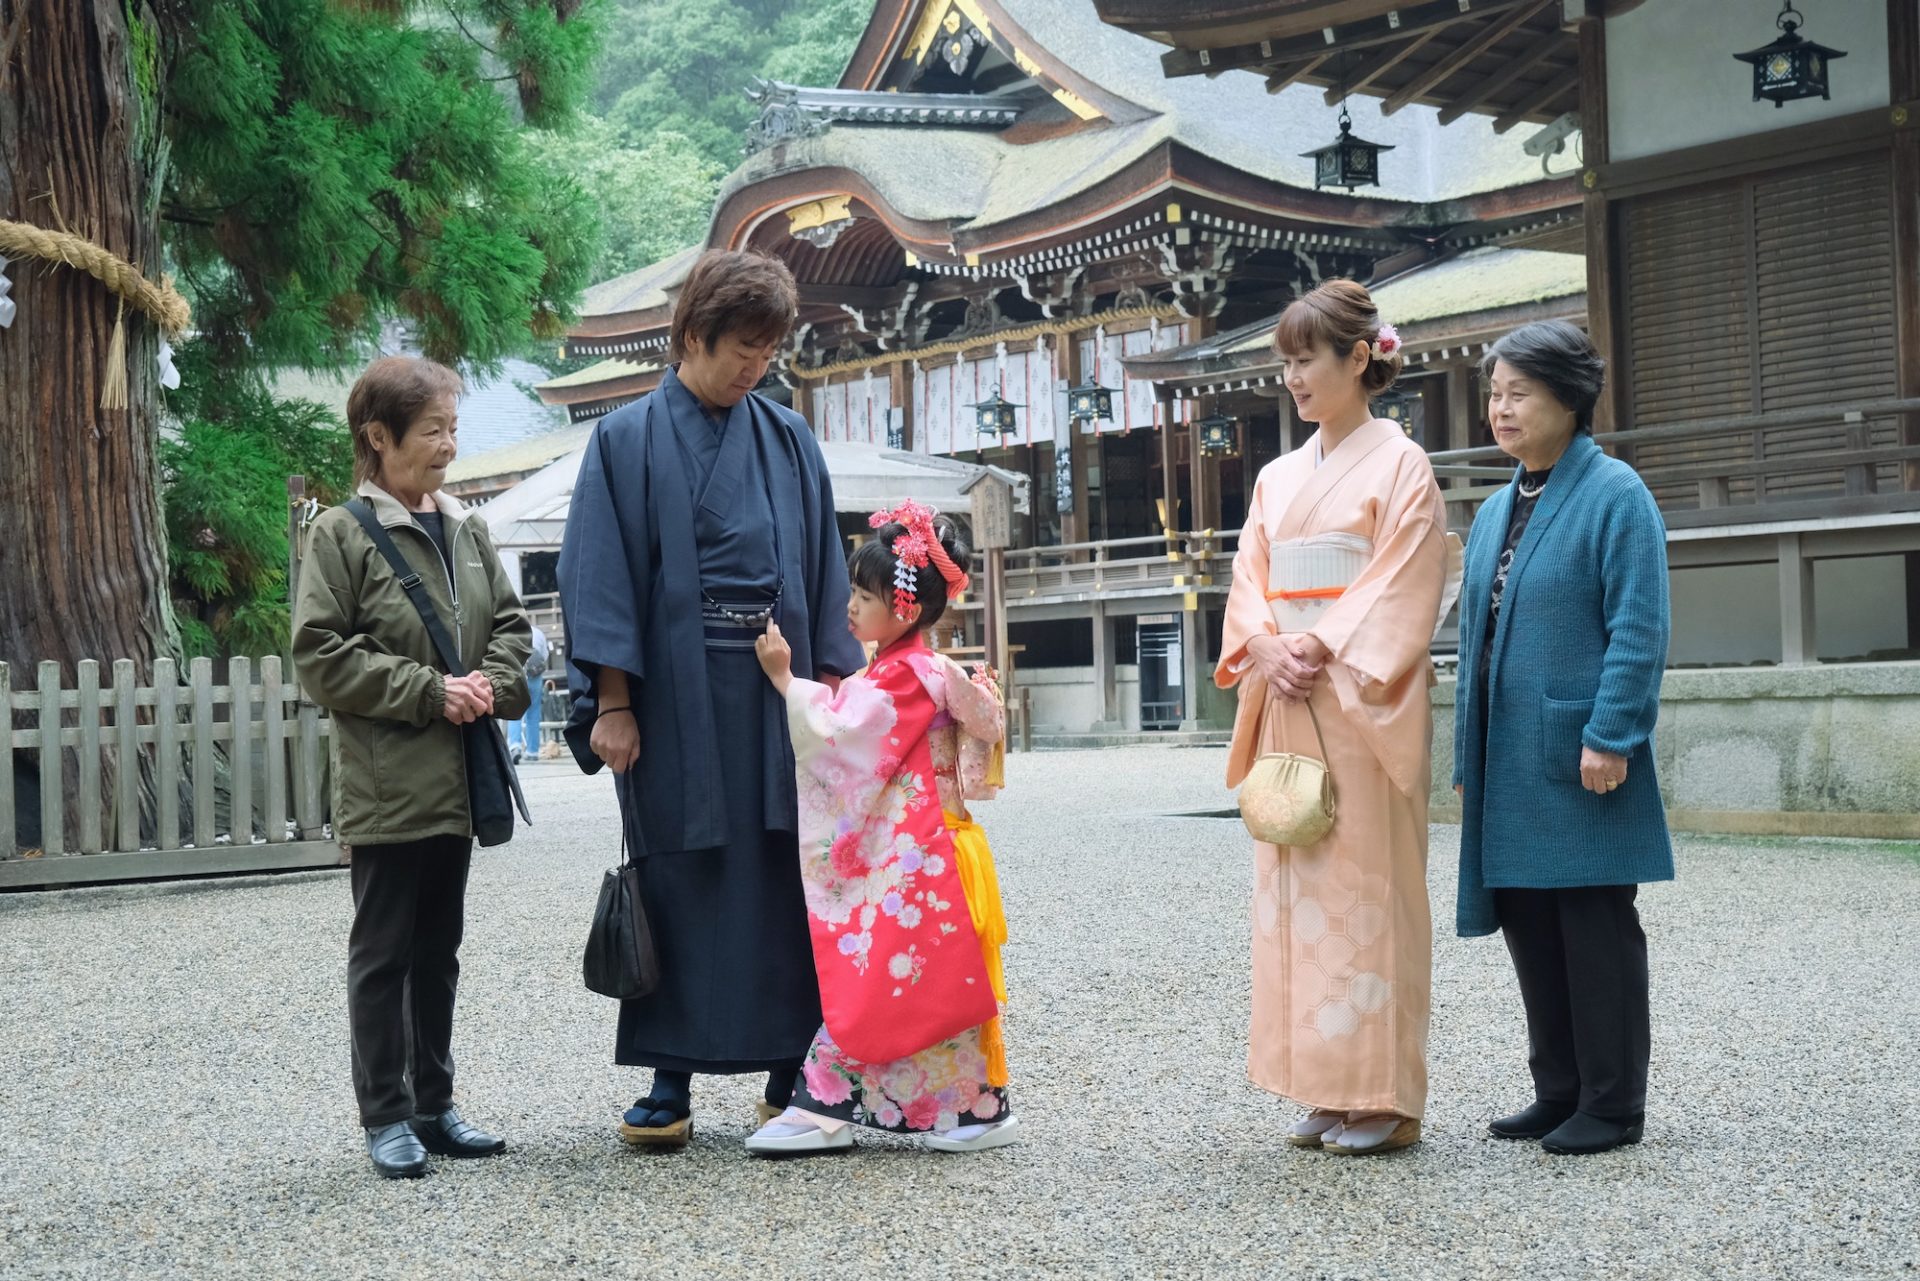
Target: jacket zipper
(453, 589)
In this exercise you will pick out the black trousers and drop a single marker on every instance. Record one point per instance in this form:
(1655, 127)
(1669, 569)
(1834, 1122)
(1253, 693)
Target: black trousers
(403, 965)
(1581, 958)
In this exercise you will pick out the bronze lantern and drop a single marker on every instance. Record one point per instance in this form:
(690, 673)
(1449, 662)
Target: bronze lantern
(1089, 402)
(1792, 66)
(995, 415)
(1219, 435)
(1348, 161)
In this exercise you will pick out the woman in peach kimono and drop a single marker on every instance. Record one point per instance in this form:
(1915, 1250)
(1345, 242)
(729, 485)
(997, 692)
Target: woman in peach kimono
(1338, 586)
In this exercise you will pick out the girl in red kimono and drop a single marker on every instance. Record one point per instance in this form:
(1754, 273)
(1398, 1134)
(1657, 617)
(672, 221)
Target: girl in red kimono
(902, 902)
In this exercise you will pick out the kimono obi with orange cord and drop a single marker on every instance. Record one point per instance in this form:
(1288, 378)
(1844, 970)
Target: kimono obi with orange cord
(1307, 575)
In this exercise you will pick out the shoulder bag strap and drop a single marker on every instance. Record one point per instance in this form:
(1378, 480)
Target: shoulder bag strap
(410, 583)
(417, 593)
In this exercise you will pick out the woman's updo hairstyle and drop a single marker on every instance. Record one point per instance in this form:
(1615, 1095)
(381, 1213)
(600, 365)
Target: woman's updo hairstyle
(871, 567)
(1339, 313)
(1558, 355)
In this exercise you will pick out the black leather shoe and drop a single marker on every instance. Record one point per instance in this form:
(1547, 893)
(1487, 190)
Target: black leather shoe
(1534, 1122)
(449, 1135)
(1583, 1135)
(396, 1151)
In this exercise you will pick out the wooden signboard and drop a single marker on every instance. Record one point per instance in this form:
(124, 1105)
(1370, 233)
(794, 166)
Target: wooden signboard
(992, 513)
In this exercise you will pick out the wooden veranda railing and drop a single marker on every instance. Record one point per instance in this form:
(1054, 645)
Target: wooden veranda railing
(1846, 459)
(236, 770)
(1158, 564)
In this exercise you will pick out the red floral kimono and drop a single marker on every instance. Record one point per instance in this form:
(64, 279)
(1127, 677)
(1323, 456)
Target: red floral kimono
(910, 1008)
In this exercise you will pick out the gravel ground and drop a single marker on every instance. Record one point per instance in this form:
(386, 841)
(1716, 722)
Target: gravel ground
(175, 1100)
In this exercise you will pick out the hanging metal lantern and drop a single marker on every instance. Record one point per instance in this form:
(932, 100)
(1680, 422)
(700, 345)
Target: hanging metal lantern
(1347, 161)
(1402, 408)
(1089, 402)
(1219, 435)
(994, 415)
(1792, 66)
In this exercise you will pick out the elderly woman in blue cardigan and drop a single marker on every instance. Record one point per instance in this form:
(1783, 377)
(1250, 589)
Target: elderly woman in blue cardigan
(1563, 638)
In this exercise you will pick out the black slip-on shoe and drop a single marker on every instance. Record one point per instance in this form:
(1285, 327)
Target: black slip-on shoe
(1537, 1121)
(449, 1134)
(1584, 1135)
(396, 1151)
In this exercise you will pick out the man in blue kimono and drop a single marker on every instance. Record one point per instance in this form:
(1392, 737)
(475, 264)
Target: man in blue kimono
(701, 511)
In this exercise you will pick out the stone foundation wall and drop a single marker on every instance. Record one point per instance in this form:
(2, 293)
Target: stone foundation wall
(1795, 751)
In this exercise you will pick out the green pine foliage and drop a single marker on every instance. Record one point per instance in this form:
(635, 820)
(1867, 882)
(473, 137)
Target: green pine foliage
(653, 198)
(338, 164)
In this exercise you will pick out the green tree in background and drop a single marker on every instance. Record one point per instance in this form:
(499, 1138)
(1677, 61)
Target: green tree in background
(225, 472)
(653, 199)
(672, 112)
(337, 165)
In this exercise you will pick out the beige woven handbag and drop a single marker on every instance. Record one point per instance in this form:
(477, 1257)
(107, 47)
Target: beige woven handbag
(1287, 798)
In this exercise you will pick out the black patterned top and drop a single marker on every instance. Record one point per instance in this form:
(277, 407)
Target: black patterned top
(1525, 498)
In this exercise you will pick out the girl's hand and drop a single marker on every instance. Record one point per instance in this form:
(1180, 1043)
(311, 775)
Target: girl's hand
(776, 656)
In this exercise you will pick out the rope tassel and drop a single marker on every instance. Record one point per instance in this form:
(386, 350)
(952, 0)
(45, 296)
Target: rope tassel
(113, 379)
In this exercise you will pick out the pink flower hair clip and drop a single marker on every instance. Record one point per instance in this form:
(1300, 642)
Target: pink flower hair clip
(917, 546)
(1387, 343)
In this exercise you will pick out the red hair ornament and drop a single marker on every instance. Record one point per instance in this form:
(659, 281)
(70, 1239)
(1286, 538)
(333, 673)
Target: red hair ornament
(916, 547)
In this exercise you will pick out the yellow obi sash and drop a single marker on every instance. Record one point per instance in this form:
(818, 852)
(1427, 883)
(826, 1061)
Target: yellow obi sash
(981, 884)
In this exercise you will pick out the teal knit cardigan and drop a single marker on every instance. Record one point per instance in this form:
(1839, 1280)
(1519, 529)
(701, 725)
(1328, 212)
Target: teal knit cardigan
(1577, 659)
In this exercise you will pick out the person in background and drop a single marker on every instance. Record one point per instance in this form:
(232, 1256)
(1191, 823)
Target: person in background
(523, 735)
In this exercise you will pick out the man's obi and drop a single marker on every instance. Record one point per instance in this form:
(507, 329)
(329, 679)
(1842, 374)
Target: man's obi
(1306, 575)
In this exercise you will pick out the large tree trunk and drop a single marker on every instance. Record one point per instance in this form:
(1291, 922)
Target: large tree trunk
(82, 545)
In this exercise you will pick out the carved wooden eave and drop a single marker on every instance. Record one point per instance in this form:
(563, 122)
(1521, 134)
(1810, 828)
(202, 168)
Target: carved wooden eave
(1447, 308)
(1514, 60)
(904, 41)
(789, 112)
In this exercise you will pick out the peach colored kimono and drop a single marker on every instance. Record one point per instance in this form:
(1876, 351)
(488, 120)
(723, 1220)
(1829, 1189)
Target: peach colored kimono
(1342, 938)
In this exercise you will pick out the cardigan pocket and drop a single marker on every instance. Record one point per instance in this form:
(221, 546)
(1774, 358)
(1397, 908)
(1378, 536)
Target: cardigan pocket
(1562, 724)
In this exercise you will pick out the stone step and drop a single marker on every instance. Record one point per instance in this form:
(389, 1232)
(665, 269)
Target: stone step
(1061, 742)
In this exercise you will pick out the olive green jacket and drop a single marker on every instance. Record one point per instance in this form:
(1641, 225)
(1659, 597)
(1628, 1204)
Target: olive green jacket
(361, 652)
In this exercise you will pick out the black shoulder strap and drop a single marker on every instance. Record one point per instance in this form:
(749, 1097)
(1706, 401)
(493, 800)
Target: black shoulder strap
(410, 583)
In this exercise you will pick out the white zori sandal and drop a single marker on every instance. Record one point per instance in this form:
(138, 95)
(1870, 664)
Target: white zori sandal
(794, 1133)
(1364, 1134)
(976, 1138)
(1312, 1129)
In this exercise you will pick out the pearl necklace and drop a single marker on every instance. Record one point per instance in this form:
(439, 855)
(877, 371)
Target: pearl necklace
(1535, 491)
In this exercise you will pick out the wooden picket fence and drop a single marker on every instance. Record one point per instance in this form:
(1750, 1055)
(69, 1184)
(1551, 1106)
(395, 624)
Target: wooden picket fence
(256, 729)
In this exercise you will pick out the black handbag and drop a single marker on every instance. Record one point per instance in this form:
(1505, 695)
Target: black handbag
(493, 785)
(620, 961)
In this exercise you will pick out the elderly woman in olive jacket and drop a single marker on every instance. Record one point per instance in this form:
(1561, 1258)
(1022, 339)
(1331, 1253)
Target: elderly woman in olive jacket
(399, 769)
(1563, 639)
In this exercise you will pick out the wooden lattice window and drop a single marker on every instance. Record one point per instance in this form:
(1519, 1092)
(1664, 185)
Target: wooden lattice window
(1769, 292)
